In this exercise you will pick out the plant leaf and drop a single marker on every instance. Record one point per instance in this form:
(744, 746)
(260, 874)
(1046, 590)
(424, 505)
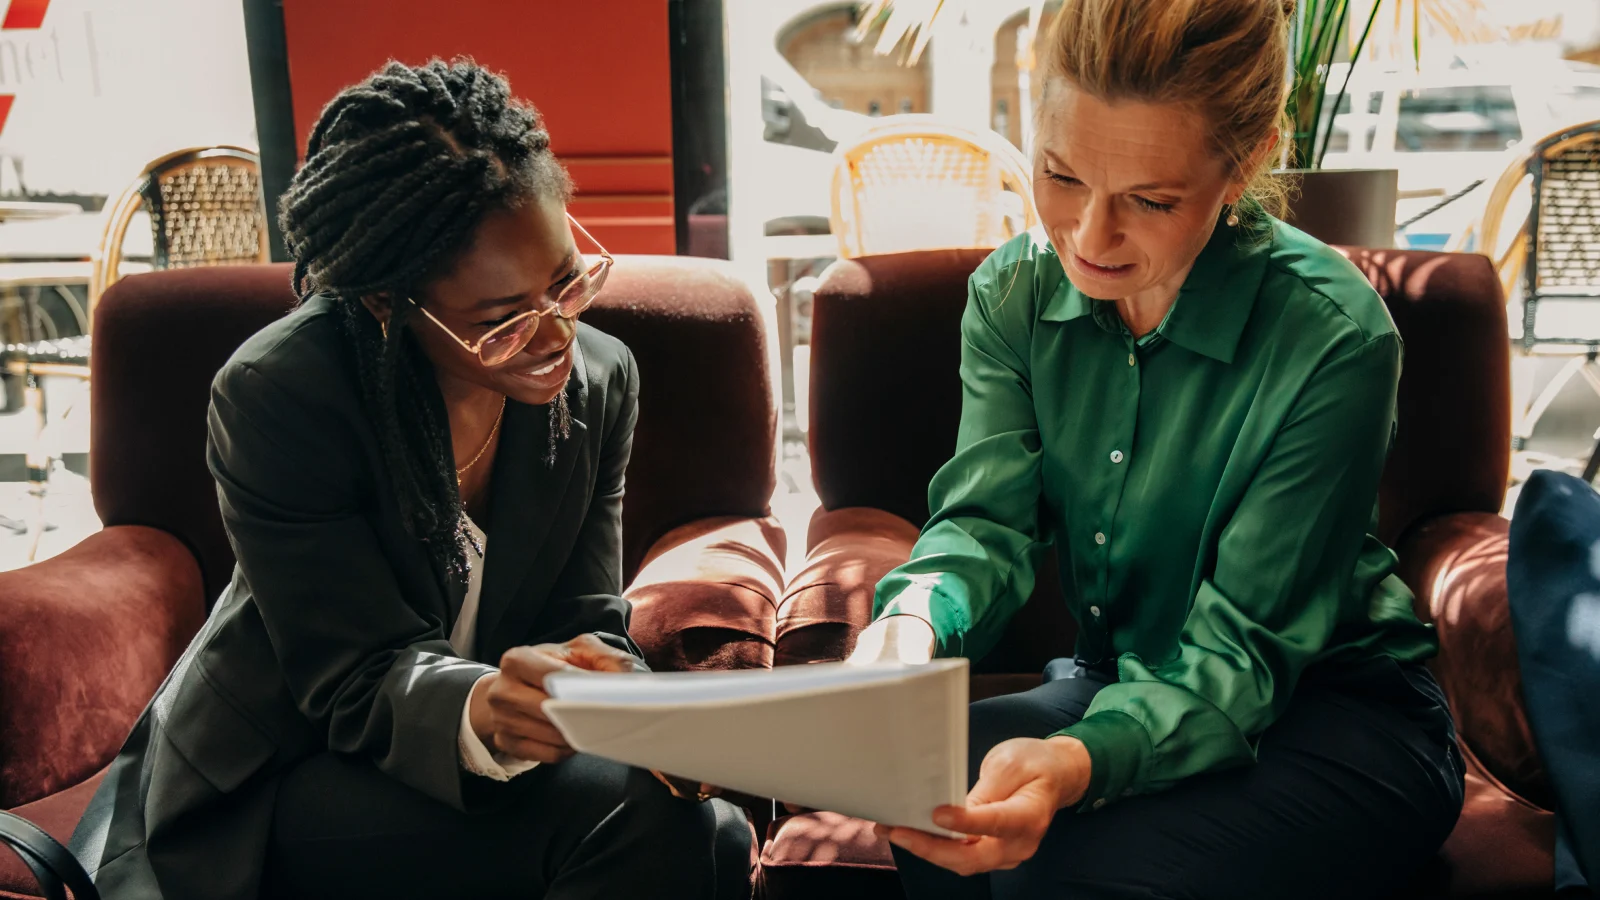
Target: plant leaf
(1355, 59)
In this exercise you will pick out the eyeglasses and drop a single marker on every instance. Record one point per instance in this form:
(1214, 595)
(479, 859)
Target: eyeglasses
(507, 339)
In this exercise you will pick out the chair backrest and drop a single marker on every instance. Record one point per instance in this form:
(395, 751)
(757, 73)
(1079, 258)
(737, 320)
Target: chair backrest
(1563, 260)
(1552, 259)
(206, 209)
(886, 394)
(705, 443)
(886, 402)
(912, 182)
(1450, 452)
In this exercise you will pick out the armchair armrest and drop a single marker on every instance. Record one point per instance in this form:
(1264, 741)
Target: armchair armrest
(1456, 566)
(706, 596)
(53, 868)
(1503, 842)
(85, 640)
(829, 602)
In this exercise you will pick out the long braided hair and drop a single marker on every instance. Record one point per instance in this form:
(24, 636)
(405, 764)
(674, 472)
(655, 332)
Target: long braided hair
(400, 170)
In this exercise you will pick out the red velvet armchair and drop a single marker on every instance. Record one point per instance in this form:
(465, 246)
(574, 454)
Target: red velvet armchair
(885, 399)
(86, 637)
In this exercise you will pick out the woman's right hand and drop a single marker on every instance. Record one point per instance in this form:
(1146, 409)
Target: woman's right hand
(902, 639)
(507, 708)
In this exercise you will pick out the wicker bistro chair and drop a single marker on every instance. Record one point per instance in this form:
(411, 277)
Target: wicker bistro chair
(206, 209)
(1541, 228)
(913, 182)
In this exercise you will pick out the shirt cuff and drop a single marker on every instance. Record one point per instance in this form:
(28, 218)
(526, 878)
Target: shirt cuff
(1119, 753)
(477, 759)
(920, 598)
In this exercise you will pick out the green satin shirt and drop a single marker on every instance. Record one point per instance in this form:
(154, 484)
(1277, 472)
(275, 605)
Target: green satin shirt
(1208, 488)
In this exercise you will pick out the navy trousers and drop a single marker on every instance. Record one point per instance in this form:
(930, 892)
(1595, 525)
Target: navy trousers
(1355, 787)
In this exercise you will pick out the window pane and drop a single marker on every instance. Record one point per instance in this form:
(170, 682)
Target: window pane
(1339, 138)
(1478, 117)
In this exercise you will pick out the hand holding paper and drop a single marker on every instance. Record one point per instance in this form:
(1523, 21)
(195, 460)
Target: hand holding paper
(507, 709)
(1021, 786)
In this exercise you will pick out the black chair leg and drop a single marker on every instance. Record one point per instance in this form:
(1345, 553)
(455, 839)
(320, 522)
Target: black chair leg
(56, 870)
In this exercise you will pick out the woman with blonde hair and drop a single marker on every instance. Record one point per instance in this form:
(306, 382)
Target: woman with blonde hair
(1191, 402)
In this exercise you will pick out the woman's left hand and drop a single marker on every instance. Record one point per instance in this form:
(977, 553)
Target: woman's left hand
(1021, 785)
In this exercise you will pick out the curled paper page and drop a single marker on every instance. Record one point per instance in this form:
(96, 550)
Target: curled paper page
(886, 743)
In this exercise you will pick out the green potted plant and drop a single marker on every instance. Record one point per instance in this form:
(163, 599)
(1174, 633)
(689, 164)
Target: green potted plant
(1340, 206)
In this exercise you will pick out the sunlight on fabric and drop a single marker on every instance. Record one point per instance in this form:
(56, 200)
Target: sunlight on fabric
(429, 664)
(1583, 624)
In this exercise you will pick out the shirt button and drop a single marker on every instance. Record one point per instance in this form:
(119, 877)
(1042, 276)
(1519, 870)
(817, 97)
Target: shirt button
(1094, 611)
(1099, 537)
(1116, 456)
(1132, 360)
(1099, 803)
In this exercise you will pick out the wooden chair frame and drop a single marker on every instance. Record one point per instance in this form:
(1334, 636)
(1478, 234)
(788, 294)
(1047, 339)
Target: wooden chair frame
(1518, 267)
(106, 263)
(1014, 170)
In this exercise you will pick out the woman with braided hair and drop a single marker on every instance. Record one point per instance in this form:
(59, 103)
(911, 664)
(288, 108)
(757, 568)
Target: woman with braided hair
(362, 712)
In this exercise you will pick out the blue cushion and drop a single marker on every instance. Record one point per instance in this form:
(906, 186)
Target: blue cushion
(1553, 579)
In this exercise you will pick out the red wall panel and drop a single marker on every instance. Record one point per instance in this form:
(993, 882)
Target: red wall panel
(598, 70)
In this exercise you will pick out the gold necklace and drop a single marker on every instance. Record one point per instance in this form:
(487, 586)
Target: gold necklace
(486, 442)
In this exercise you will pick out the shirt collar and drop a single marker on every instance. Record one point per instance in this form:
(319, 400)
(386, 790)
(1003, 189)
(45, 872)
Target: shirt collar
(1212, 306)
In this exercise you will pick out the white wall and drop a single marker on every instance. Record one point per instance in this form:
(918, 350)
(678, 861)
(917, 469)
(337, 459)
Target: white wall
(107, 85)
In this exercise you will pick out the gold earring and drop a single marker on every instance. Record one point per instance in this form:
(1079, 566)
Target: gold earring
(383, 325)
(1233, 216)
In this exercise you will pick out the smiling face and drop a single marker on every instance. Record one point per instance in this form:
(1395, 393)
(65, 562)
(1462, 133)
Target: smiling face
(515, 257)
(1129, 192)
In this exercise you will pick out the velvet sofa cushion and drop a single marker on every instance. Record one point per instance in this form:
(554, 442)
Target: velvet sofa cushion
(826, 855)
(85, 639)
(885, 383)
(705, 444)
(1554, 581)
(1450, 451)
(159, 339)
(1501, 847)
(706, 596)
(830, 600)
(1456, 566)
(57, 815)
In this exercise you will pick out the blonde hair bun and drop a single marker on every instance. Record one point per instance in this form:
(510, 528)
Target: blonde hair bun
(1225, 59)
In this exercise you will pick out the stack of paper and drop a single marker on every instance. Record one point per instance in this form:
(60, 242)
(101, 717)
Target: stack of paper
(887, 743)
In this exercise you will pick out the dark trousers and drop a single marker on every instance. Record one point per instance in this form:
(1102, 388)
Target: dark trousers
(1354, 787)
(585, 828)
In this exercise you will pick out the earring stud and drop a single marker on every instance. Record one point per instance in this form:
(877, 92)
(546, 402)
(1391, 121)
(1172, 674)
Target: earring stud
(1233, 216)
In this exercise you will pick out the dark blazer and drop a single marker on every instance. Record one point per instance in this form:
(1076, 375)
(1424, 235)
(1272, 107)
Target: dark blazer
(333, 634)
